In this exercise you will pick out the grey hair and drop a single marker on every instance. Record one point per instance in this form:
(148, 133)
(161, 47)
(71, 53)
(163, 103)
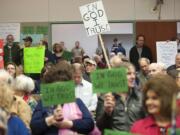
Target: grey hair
(5, 77)
(24, 83)
(144, 59)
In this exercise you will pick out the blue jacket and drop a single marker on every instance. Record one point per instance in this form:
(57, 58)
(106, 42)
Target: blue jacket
(16, 126)
(39, 126)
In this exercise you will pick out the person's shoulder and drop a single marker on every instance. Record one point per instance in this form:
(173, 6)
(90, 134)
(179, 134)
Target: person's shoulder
(142, 123)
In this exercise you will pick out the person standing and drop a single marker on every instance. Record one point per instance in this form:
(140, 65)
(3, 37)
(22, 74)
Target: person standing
(77, 50)
(11, 51)
(139, 50)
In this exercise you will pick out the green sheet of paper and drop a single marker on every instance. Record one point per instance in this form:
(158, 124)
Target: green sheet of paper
(67, 55)
(177, 131)
(111, 132)
(34, 59)
(58, 93)
(113, 80)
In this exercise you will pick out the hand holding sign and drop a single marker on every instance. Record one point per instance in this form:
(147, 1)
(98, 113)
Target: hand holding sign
(109, 103)
(113, 80)
(57, 93)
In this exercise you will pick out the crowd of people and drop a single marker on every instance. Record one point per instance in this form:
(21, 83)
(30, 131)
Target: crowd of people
(149, 107)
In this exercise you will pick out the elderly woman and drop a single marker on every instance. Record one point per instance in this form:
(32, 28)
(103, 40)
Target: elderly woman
(158, 94)
(23, 86)
(57, 120)
(19, 106)
(15, 125)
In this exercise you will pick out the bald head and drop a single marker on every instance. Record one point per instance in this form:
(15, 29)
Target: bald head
(115, 61)
(177, 60)
(156, 68)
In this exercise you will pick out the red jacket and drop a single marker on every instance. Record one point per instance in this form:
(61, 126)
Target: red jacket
(147, 126)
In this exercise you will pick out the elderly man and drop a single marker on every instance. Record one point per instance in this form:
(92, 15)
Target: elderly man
(11, 51)
(156, 68)
(176, 65)
(142, 75)
(83, 89)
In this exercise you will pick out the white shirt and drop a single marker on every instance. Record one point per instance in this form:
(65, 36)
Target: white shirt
(85, 93)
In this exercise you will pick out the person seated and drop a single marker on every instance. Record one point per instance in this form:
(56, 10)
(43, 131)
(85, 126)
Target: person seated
(176, 65)
(90, 66)
(61, 119)
(23, 86)
(83, 88)
(142, 75)
(19, 106)
(118, 111)
(156, 68)
(15, 126)
(11, 69)
(158, 93)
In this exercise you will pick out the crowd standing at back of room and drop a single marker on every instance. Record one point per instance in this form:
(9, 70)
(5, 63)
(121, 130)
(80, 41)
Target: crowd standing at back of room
(145, 109)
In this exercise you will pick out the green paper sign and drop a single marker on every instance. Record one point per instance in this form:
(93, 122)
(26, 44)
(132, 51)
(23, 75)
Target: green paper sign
(177, 131)
(34, 59)
(113, 80)
(111, 132)
(58, 93)
(67, 55)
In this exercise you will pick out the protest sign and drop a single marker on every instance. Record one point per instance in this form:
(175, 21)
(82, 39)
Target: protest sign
(111, 132)
(58, 93)
(177, 132)
(33, 59)
(114, 80)
(94, 18)
(166, 52)
(10, 28)
(67, 55)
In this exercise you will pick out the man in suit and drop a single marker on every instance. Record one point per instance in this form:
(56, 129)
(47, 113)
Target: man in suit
(139, 51)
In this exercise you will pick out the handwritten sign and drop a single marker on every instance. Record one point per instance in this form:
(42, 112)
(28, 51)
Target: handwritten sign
(58, 93)
(111, 132)
(114, 80)
(94, 18)
(34, 59)
(67, 55)
(177, 131)
(10, 28)
(166, 52)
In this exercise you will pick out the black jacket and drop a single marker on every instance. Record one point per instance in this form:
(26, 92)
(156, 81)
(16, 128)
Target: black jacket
(12, 54)
(134, 56)
(124, 114)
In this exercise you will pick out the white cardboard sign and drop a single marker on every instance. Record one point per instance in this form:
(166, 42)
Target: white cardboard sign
(166, 52)
(94, 18)
(10, 28)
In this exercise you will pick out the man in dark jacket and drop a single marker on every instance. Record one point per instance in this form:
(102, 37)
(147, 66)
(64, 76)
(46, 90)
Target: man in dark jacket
(139, 51)
(11, 51)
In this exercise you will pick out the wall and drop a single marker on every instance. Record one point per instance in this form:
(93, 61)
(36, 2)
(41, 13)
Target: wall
(67, 10)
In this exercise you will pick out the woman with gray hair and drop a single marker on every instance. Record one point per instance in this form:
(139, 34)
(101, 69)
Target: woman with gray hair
(23, 86)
